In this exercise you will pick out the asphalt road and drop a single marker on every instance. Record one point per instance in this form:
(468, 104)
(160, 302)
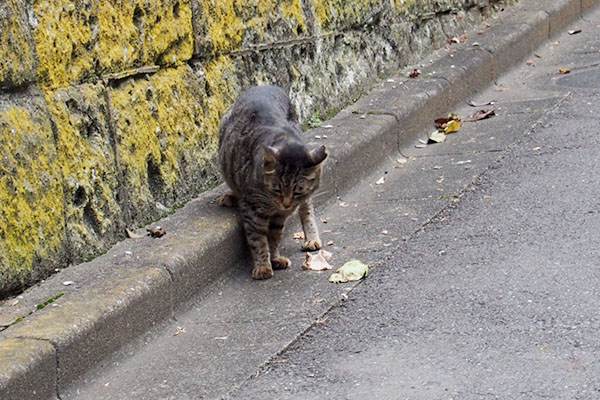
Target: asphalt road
(485, 281)
(498, 297)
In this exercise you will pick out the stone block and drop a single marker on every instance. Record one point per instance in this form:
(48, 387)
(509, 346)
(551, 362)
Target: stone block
(341, 15)
(32, 223)
(233, 25)
(91, 177)
(166, 129)
(17, 57)
(77, 40)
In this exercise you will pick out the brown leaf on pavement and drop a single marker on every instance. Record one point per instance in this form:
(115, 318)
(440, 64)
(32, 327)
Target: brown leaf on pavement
(482, 104)
(442, 123)
(133, 235)
(415, 72)
(564, 71)
(481, 114)
(156, 231)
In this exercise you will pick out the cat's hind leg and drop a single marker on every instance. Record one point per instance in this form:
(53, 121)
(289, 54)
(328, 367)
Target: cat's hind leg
(276, 225)
(229, 199)
(312, 241)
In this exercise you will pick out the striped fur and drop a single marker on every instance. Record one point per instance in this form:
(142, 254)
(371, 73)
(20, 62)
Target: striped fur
(270, 172)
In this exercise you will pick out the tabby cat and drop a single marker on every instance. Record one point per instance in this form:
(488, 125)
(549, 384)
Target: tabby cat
(270, 171)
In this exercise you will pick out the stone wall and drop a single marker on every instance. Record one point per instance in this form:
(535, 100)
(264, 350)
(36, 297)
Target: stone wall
(109, 109)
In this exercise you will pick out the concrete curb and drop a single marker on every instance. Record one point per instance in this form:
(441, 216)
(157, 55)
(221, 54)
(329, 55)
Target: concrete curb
(142, 282)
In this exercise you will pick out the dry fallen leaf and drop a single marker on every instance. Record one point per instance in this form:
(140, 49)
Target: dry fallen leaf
(502, 89)
(564, 71)
(299, 235)
(317, 262)
(133, 235)
(343, 204)
(437, 137)
(442, 123)
(574, 31)
(415, 72)
(453, 126)
(156, 231)
(179, 330)
(380, 181)
(481, 104)
(481, 114)
(529, 62)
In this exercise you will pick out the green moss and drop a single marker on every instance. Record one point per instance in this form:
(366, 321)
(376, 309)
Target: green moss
(51, 300)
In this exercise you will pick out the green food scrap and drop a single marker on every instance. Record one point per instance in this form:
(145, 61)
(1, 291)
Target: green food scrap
(353, 270)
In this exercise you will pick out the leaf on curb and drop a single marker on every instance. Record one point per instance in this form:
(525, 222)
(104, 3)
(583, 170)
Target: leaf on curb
(353, 270)
(156, 231)
(133, 235)
(415, 72)
(564, 71)
(452, 126)
(482, 104)
(574, 31)
(481, 114)
(437, 137)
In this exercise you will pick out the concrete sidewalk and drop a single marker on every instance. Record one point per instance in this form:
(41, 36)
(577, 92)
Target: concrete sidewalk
(141, 282)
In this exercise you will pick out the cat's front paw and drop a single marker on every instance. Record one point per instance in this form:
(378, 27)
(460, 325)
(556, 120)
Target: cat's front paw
(262, 272)
(311, 245)
(280, 262)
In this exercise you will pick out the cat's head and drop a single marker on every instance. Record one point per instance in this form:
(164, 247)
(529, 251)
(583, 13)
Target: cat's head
(292, 173)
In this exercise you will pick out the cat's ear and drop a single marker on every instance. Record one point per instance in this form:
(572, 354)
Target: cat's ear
(270, 160)
(318, 155)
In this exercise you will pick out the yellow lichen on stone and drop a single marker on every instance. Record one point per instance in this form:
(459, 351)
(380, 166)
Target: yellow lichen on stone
(225, 29)
(292, 11)
(169, 37)
(119, 46)
(63, 35)
(341, 11)
(17, 64)
(163, 136)
(137, 32)
(220, 77)
(225, 24)
(88, 164)
(31, 217)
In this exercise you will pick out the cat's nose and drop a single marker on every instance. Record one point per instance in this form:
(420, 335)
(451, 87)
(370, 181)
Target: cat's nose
(287, 202)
